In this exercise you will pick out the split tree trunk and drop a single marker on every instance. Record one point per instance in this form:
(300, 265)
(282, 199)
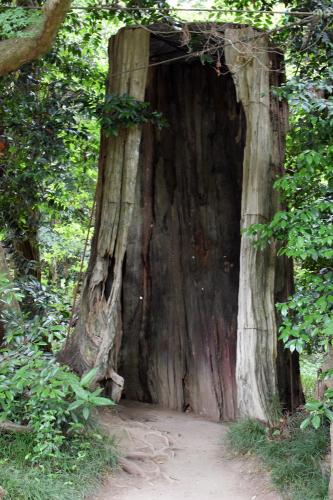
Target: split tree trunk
(190, 287)
(95, 342)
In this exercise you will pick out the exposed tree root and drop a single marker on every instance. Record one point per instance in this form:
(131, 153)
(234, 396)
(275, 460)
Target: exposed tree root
(144, 450)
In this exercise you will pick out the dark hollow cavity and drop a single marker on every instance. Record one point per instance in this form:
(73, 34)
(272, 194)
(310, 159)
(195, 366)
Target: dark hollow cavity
(180, 289)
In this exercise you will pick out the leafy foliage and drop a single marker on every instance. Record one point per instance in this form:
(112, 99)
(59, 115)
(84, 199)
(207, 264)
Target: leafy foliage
(49, 163)
(14, 21)
(305, 232)
(125, 111)
(157, 12)
(34, 389)
(307, 316)
(49, 134)
(310, 366)
(318, 410)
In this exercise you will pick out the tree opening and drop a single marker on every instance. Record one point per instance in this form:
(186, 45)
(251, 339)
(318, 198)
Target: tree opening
(180, 280)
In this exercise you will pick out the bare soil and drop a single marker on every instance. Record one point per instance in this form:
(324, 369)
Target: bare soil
(168, 455)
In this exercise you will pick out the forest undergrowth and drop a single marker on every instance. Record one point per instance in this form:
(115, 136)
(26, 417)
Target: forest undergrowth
(295, 458)
(74, 474)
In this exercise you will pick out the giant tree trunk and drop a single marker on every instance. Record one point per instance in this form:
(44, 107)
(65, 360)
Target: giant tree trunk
(177, 291)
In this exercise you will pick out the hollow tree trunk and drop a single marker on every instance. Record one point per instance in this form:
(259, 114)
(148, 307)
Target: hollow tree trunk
(189, 287)
(94, 343)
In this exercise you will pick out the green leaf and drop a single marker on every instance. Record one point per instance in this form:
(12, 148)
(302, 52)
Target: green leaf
(88, 377)
(99, 401)
(75, 404)
(316, 421)
(329, 414)
(86, 412)
(305, 423)
(80, 391)
(313, 405)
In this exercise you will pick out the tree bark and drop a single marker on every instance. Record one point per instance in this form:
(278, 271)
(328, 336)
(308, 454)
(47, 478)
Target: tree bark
(12, 427)
(287, 363)
(27, 257)
(36, 41)
(248, 59)
(96, 341)
(180, 280)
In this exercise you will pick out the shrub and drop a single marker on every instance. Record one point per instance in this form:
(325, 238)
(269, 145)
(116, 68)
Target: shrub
(35, 390)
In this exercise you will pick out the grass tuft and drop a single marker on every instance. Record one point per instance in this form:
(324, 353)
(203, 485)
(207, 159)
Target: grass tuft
(74, 474)
(244, 436)
(293, 461)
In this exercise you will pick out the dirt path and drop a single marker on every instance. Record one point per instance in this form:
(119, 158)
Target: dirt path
(174, 456)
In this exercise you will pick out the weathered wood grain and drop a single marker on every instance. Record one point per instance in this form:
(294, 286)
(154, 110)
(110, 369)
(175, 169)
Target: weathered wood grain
(180, 286)
(94, 343)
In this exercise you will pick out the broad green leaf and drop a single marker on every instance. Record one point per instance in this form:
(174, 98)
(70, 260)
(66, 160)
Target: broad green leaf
(316, 421)
(86, 412)
(80, 391)
(305, 423)
(313, 405)
(99, 401)
(88, 377)
(75, 404)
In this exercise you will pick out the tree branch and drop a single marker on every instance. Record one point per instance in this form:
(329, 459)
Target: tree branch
(37, 39)
(11, 427)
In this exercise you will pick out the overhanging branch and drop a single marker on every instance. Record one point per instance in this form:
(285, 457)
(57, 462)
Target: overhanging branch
(35, 42)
